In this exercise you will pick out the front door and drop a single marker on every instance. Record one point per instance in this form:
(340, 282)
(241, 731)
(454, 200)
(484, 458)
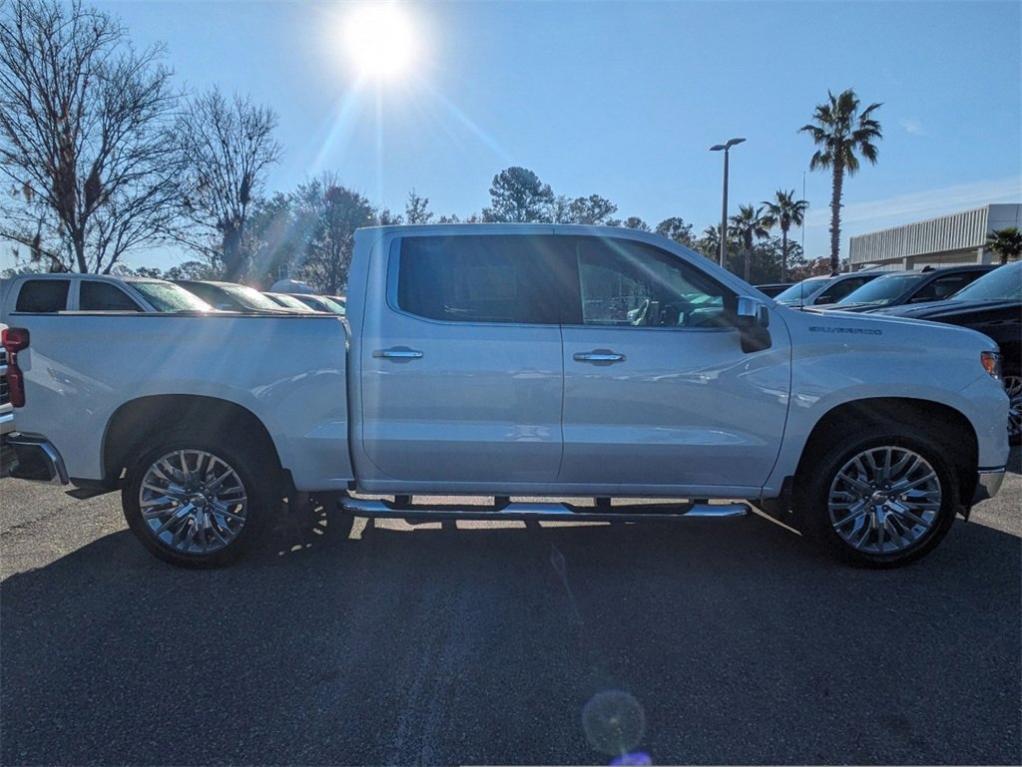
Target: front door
(657, 389)
(461, 367)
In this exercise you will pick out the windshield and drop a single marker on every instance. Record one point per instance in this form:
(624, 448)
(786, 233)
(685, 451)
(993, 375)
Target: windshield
(800, 290)
(1003, 283)
(168, 297)
(250, 298)
(882, 290)
(330, 304)
(289, 301)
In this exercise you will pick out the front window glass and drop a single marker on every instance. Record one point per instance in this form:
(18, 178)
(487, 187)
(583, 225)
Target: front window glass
(798, 292)
(839, 290)
(1002, 284)
(942, 287)
(882, 290)
(104, 297)
(168, 297)
(629, 283)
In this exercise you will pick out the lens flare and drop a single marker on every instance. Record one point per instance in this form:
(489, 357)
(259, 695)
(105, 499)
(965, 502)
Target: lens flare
(380, 40)
(614, 723)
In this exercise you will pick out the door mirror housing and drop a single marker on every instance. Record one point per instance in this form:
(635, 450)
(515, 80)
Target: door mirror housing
(752, 318)
(752, 312)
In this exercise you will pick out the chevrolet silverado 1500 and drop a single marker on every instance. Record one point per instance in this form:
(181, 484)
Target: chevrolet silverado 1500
(517, 360)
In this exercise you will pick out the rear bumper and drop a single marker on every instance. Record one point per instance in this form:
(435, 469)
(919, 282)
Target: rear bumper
(6, 421)
(34, 458)
(988, 483)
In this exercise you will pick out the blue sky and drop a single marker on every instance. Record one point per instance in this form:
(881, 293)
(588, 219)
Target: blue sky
(623, 99)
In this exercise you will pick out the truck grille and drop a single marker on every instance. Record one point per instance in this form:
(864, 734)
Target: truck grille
(5, 395)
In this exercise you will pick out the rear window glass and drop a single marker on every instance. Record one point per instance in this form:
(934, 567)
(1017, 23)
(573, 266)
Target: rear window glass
(104, 297)
(43, 296)
(513, 279)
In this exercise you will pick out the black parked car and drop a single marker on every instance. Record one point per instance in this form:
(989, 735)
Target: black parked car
(774, 288)
(993, 306)
(899, 288)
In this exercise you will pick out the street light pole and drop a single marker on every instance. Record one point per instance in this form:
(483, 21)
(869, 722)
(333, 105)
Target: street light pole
(726, 148)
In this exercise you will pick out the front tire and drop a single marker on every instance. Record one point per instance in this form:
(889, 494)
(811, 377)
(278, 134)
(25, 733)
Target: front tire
(199, 502)
(878, 498)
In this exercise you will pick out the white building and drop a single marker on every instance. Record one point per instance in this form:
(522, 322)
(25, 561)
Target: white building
(959, 238)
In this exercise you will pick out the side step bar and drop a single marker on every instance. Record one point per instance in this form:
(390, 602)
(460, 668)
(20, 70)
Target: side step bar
(538, 510)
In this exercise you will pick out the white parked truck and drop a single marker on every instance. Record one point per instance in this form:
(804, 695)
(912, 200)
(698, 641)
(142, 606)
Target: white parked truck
(525, 361)
(6, 408)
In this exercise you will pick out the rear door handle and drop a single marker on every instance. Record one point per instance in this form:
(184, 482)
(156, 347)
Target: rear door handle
(599, 357)
(398, 353)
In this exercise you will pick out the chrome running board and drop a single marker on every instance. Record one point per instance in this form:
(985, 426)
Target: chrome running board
(525, 510)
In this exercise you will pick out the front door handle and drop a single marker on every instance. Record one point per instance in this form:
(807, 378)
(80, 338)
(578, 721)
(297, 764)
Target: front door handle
(599, 357)
(398, 353)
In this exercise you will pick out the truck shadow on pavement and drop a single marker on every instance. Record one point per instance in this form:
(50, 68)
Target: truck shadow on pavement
(691, 642)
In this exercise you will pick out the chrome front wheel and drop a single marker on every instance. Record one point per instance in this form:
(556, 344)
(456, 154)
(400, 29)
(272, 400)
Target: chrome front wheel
(884, 500)
(193, 502)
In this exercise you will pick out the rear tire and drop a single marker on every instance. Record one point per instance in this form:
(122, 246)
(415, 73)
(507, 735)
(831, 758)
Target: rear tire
(877, 497)
(198, 501)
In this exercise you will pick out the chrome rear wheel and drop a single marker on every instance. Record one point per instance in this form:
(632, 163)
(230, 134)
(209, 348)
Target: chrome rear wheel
(193, 502)
(884, 500)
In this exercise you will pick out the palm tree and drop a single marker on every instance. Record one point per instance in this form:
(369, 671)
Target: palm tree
(784, 211)
(840, 131)
(747, 226)
(1006, 243)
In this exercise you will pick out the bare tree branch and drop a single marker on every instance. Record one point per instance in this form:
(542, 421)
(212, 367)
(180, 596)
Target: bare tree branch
(228, 147)
(85, 136)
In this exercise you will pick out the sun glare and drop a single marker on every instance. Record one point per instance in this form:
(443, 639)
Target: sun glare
(379, 40)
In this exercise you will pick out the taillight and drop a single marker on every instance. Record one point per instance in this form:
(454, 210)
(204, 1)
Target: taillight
(14, 340)
(991, 362)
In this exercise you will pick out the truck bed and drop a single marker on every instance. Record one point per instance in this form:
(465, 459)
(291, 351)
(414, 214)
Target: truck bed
(289, 371)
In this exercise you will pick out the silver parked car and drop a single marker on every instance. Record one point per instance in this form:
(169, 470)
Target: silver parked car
(816, 291)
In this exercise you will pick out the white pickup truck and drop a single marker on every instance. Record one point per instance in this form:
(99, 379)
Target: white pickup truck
(517, 360)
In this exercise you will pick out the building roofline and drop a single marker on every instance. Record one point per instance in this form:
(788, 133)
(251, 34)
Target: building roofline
(986, 207)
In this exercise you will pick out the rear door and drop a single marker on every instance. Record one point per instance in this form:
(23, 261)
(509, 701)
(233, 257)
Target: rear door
(461, 365)
(657, 390)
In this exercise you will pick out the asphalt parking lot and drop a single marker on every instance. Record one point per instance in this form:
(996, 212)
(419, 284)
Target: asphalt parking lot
(691, 642)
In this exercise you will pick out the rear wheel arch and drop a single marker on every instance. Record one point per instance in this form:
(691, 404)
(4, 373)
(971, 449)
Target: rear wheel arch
(935, 419)
(137, 422)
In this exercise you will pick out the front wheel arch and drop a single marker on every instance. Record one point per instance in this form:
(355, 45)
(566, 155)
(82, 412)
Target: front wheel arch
(914, 416)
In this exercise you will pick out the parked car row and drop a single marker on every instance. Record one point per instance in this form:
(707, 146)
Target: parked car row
(54, 293)
(977, 296)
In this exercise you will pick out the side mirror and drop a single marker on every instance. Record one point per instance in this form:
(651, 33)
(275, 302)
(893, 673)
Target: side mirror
(752, 318)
